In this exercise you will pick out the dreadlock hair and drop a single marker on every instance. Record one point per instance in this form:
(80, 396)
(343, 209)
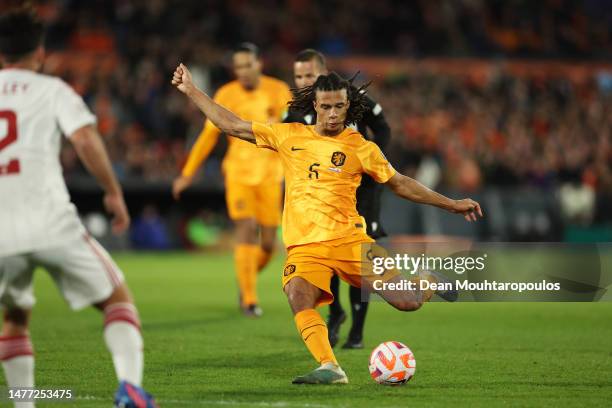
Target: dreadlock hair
(303, 98)
(21, 32)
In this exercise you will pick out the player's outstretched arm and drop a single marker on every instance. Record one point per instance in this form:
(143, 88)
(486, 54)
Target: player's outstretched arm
(90, 149)
(412, 190)
(222, 118)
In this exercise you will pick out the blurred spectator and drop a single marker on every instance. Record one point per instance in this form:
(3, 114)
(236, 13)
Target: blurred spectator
(149, 230)
(519, 131)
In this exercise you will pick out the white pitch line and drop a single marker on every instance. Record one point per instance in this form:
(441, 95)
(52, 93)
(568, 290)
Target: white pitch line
(277, 404)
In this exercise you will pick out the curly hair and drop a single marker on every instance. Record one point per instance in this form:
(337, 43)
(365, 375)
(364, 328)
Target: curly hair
(303, 98)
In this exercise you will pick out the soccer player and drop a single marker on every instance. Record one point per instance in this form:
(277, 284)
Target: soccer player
(322, 230)
(253, 189)
(309, 64)
(39, 224)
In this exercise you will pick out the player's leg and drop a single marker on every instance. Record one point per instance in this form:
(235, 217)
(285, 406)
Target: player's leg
(368, 205)
(245, 260)
(268, 242)
(359, 309)
(404, 293)
(123, 338)
(336, 313)
(16, 351)
(122, 334)
(306, 284)
(240, 201)
(303, 298)
(415, 291)
(268, 213)
(87, 276)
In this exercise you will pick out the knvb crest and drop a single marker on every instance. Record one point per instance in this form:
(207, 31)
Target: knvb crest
(289, 269)
(338, 158)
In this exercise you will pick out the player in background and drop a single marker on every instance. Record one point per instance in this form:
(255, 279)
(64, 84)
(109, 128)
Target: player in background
(253, 189)
(39, 224)
(322, 230)
(309, 64)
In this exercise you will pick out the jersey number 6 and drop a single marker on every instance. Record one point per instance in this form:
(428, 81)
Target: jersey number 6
(11, 136)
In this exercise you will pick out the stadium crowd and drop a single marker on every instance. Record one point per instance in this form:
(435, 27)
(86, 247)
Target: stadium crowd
(518, 131)
(506, 130)
(549, 28)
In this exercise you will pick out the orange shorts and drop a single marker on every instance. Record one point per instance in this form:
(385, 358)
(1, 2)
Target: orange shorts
(260, 201)
(350, 258)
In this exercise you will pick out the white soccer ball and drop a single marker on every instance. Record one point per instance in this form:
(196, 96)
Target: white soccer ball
(392, 363)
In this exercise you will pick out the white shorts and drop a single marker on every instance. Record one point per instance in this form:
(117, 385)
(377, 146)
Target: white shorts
(83, 271)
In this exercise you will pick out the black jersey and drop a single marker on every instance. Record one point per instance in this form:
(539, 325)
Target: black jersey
(373, 126)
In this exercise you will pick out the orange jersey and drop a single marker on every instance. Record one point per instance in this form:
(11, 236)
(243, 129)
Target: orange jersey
(322, 174)
(243, 162)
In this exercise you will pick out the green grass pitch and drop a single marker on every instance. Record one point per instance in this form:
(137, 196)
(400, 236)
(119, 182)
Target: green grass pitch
(201, 352)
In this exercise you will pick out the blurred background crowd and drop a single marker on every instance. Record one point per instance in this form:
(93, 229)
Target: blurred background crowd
(539, 127)
(517, 28)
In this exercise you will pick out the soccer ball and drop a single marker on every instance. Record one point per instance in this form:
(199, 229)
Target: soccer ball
(392, 363)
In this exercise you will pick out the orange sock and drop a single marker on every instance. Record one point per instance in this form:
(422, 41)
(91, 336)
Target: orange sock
(263, 257)
(245, 256)
(312, 327)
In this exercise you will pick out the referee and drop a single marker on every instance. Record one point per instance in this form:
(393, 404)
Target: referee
(307, 67)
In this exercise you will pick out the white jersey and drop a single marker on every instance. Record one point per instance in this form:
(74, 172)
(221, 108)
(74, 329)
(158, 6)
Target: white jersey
(35, 207)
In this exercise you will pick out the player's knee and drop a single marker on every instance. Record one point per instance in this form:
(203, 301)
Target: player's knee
(121, 294)
(300, 295)
(298, 300)
(267, 246)
(246, 230)
(268, 238)
(407, 305)
(15, 322)
(121, 312)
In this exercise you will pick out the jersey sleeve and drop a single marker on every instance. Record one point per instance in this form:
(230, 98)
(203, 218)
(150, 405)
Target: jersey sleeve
(374, 162)
(70, 110)
(207, 140)
(269, 136)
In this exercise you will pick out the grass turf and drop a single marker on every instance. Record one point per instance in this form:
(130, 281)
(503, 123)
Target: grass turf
(201, 352)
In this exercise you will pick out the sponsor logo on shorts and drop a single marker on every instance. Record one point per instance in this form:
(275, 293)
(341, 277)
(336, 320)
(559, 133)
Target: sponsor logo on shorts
(369, 255)
(289, 269)
(338, 158)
